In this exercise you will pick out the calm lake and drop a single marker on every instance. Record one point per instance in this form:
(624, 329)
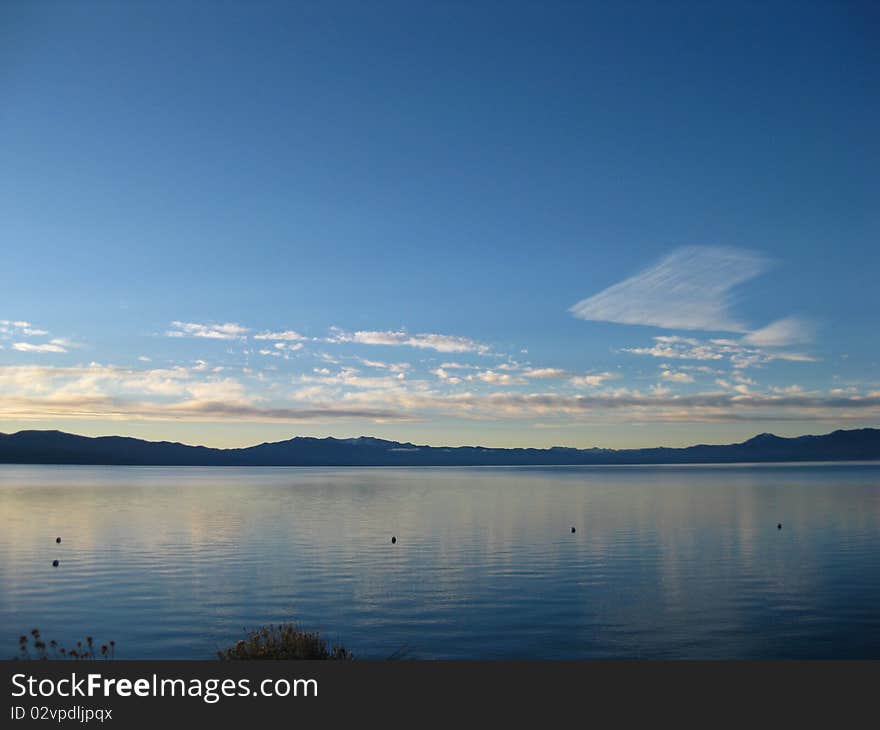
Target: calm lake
(665, 561)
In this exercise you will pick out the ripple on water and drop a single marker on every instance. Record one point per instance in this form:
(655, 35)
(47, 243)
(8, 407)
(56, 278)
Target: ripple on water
(664, 563)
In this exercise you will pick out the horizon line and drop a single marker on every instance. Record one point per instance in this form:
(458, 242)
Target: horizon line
(430, 446)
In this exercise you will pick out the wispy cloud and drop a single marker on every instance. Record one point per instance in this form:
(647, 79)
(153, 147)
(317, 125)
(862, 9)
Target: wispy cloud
(740, 355)
(179, 393)
(494, 378)
(689, 289)
(438, 342)
(624, 405)
(505, 374)
(227, 331)
(593, 380)
(678, 348)
(281, 349)
(285, 336)
(18, 326)
(676, 377)
(394, 367)
(445, 376)
(56, 345)
(783, 332)
(90, 407)
(351, 378)
(10, 328)
(544, 373)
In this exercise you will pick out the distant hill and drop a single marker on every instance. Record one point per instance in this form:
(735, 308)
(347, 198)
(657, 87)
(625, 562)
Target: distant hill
(57, 447)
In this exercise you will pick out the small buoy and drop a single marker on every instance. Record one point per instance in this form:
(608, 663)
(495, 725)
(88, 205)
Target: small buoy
(573, 530)
(393, 539)
(58, 539)
(54, 563)
(779, 526)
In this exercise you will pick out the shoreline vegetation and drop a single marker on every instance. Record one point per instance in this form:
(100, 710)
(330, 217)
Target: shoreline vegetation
(57, 447)
(284, 641)
(35, 647)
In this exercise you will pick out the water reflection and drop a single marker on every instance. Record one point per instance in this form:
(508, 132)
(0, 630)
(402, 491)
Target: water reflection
(666, 562)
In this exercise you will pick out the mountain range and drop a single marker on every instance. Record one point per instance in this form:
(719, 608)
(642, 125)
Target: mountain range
(57, 447)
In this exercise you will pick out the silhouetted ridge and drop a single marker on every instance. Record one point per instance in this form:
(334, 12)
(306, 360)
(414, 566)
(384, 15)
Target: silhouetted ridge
(57, 447)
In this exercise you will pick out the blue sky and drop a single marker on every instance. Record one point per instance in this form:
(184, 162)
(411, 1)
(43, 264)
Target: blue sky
(502, 223)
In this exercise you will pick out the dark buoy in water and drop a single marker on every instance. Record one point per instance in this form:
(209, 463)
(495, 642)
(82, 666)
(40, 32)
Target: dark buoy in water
(573, 530)
(393, 539)
(58, 539)
(54, 563)
(779, 526)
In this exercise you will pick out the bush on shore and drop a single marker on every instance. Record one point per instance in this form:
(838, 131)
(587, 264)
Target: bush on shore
(284, 641)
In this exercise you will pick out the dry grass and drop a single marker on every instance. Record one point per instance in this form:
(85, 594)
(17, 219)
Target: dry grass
(34, 647)
(282, 641)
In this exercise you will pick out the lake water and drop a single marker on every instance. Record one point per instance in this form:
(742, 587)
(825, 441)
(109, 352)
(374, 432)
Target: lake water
(665, 562)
